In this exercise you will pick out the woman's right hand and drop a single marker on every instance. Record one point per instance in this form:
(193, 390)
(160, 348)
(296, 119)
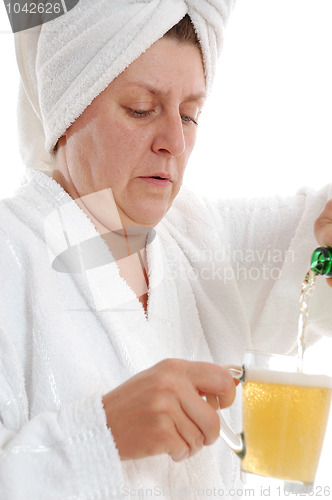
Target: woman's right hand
(161, 410)
(323, 229)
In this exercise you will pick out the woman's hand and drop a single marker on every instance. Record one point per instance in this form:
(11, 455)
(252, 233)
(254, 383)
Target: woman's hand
(161, 410)
(323, 229)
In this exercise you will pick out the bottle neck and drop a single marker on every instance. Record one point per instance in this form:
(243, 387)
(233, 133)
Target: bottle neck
(321, 261)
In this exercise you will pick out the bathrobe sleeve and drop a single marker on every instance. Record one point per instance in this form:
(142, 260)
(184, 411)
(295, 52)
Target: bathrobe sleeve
(67, 453)
(260, 250)
(270, 242)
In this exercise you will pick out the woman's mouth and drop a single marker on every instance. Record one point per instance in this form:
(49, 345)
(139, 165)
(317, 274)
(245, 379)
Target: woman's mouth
(157, 180)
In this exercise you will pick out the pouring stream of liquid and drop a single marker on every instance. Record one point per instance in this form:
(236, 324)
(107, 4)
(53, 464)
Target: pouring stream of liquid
(307, 288)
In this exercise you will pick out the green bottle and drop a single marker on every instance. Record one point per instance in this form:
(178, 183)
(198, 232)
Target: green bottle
(321, 261)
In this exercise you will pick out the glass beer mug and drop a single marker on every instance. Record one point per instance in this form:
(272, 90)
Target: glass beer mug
(284, 413)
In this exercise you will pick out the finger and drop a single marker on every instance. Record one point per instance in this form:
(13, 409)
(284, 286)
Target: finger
(170, 440)
(209, 378)
(179, 449)
(181, 436)
(203, 415)
(221, 384)
(212, 400)
(323, 226)
(190, 433)
(185, 438)
(168, 432)
(193, 380)
(197, 422)
(329, 281)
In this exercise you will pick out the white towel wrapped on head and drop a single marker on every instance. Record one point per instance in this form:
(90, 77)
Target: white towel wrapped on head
(67, 62)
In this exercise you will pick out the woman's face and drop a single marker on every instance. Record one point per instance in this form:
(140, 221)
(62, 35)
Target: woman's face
(137, 135)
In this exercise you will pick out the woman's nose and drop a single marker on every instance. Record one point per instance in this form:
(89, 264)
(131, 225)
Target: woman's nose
(169, 137)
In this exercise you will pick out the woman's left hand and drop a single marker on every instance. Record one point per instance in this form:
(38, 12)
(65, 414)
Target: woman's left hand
(323, 229)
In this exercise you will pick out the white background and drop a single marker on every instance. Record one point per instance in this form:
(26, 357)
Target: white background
(267, 126)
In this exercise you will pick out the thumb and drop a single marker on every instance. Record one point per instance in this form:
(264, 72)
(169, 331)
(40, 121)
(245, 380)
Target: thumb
(323, 226)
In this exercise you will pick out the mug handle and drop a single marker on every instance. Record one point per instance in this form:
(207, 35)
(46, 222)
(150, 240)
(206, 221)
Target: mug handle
(234, 441)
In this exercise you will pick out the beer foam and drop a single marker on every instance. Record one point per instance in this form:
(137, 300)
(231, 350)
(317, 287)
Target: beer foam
(287, 378)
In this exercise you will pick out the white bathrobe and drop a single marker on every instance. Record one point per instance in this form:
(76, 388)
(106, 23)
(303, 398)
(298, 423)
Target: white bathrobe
(68, 338)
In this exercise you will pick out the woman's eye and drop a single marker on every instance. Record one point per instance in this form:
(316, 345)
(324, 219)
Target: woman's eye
(188, 119)
(137, 113)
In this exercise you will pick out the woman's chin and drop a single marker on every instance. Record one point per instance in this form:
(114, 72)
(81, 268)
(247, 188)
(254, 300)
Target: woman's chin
(145, 216)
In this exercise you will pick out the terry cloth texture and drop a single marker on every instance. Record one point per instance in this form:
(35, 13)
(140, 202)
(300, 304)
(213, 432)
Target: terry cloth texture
(65, 63)
(222, 278)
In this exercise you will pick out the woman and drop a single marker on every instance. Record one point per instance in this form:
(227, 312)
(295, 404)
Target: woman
(124, 311)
